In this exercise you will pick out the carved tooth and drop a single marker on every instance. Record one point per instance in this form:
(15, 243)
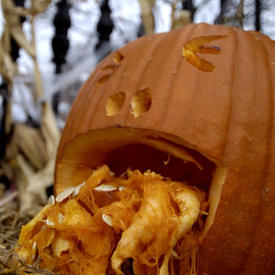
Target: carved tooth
(105, 188)
(78, 187)
(107, 219)
(65, 194)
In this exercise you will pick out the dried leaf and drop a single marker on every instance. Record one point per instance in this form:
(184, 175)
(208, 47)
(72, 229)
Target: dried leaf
(30, 141)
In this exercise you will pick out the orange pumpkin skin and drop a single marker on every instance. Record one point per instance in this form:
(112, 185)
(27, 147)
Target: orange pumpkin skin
(224, 111)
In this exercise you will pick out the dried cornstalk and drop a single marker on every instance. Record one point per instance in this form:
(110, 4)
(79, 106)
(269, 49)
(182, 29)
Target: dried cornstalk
(13, 29)
(179, 18)
(31, 142)
(49, 129)
(31, 153)
(147, 15)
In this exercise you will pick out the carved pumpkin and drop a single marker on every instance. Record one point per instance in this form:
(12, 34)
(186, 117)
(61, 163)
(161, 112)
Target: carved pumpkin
(196, 106)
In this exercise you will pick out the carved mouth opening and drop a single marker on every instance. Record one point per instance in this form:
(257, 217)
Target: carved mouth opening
(141, 195)
(197, 172)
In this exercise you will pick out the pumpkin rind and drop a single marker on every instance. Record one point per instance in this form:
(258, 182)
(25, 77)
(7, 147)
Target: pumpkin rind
(227, 115)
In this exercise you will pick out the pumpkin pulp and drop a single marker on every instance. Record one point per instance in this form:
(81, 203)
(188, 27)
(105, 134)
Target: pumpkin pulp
(108, 223)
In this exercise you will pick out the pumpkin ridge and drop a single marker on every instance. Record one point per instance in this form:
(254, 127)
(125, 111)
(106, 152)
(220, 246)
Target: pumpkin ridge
(234, 71)
(174, 80)
(233, 66)
(255, 245)
(186, 36)
(252, 230)
(242, 114)
(127, 111)
(195, 96)
(167, 102)
(139, 82)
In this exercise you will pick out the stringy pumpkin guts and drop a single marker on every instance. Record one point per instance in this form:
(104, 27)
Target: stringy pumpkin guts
(106, 221)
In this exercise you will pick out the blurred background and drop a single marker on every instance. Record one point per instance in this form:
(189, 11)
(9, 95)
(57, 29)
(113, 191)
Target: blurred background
(48, 49)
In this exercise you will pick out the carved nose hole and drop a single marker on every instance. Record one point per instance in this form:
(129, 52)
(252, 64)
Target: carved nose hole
(115, 103)
(141, 102)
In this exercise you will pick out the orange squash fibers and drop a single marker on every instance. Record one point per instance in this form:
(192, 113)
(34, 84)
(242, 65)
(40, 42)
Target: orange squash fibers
(110, 220)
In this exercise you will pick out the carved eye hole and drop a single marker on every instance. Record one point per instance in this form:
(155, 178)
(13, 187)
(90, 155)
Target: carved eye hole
(115, 103)
(197, 46)
(141, 102)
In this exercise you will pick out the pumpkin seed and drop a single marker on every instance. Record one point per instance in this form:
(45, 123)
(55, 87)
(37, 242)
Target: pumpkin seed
(51, 200)
(65, 194)
(49, 222)
(107, 219)
(105, 188)
(78, 187)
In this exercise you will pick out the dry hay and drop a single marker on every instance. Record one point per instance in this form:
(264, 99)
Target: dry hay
(10, 226)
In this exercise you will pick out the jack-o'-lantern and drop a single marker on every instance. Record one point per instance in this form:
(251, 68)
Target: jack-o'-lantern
(167, 161)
